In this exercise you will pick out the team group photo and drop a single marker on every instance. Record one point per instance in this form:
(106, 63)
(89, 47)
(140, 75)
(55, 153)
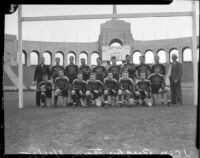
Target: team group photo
(101, 79)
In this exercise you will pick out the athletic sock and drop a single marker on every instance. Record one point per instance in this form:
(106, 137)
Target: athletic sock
(120, 98)
(43, 98)
(55, 100)
(105, 96)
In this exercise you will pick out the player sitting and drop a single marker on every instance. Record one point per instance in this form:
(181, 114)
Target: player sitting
(126, 89)
(158, 85)
(94, 90)
(45, 88)
(143, 90)
(78, 90)
(111, 87)
(61, 88)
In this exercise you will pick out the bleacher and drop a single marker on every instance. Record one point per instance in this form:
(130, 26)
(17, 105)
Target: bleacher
(28, 74)
(6, 80)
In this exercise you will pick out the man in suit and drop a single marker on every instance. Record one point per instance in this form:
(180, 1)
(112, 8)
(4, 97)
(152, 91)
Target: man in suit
(40, 70)
(175, 81)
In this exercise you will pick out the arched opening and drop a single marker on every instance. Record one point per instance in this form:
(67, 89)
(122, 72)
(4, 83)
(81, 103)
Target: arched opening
(24, 57)
(187, 54)
(47, 56)
(149, 57)
(71, 54)
(115, 43)
(136, 56)
(84, 56)
(162, 56)
(173, 51)
(94, 57)
(34, 58)
(60, 54)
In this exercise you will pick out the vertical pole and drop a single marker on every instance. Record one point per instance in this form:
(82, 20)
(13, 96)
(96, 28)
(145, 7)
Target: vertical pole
(20, 71)
(194, 53)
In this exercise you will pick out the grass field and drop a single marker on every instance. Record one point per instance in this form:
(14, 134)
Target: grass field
(107, 130)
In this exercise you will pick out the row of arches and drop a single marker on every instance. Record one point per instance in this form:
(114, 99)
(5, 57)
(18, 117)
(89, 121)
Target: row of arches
(149, 55)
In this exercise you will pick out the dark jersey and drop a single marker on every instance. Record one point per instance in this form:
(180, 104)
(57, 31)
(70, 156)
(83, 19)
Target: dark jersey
(116, 70)
(55, 70)
(45, 84)
(85, 70)
(111, 84)
(79, 85)
(145, 68)
(62, 83)
(157, 82)
(131, 68)
(94, 85)
(126, 83)
(143, 85)
(71, 72)
(161, 68)
(100, 72)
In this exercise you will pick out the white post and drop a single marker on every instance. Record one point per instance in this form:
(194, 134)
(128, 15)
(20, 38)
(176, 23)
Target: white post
(20, 70)
(194, 53)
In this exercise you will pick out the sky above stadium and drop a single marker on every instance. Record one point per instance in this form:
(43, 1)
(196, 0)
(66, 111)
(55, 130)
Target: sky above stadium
(89, 30)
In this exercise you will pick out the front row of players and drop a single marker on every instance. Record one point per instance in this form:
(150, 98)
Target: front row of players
(111, 92)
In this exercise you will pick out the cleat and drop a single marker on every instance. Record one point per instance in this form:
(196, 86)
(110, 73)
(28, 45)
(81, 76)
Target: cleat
(168, 103)
(162, 103)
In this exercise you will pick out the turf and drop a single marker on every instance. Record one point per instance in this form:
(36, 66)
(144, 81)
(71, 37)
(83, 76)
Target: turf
(111, 130)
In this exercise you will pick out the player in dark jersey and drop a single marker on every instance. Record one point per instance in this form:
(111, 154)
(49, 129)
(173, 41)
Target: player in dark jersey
(143, 89)
(99, 70)
(85, 70)
(94, 90)
(125, 93)
(45, 89)
(78, 90)
(158, 85)
(61, 88)
(71, 70)
(56, 68)
(162, 71)
(130, 67)
(142, 67)
(111, 88)
(115, 69)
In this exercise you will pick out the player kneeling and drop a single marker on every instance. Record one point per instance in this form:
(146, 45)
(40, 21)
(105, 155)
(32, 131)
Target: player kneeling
(158, 86)
(111, 87)
(61, 88)
(125, 92)
(94, 90)
(45, 88)
(78, 90)
(143, 90)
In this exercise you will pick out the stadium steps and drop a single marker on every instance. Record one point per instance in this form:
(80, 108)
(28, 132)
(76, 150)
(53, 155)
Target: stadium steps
(28, 74)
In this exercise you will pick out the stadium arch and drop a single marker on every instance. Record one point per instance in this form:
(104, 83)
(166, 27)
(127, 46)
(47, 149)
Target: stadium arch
(48, 57)
(71, 53)
(34, 57)
(187, 54)
(136, 55)
(115, 43)
(94, 57)
(83, 54)
(149, 56)
(162, 54)
(173, 51)
(24, 57)
(60, 54)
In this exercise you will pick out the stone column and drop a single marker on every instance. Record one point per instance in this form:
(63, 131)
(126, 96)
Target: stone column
(167, 56)
(28, 58)
(53, 59)
(77, 59)
(180, 55)
(89, 59)
(65, 60)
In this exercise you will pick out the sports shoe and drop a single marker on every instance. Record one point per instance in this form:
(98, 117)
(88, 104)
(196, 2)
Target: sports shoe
(168, 103)
(162, 102)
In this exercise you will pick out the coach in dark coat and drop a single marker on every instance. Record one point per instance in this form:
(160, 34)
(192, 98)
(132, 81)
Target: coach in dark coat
(40, 70)
(175, 81)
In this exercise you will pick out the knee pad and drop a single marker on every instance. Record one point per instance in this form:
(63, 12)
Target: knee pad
(73, 92)
(57, 92)
(87, 93)
(120, 92)
(106, 92)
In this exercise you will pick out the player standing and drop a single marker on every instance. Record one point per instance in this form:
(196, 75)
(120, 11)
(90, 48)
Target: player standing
(99, 70)
(85, 70)
(130, 67)
(111, 88)
(158, 85)
(126, 89)
(143, 89)
(94, 90)
(45, 88)
(61, 88)
(115, 69)
(142, 67)
(78, 90)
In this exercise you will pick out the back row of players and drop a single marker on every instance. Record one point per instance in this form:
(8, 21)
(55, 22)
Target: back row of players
(115, 85)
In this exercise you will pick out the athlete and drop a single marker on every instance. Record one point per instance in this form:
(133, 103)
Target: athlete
(78, 90)
(94, 90)
(56, 68)
(85, 70)
(142, 67)
(115, 69)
